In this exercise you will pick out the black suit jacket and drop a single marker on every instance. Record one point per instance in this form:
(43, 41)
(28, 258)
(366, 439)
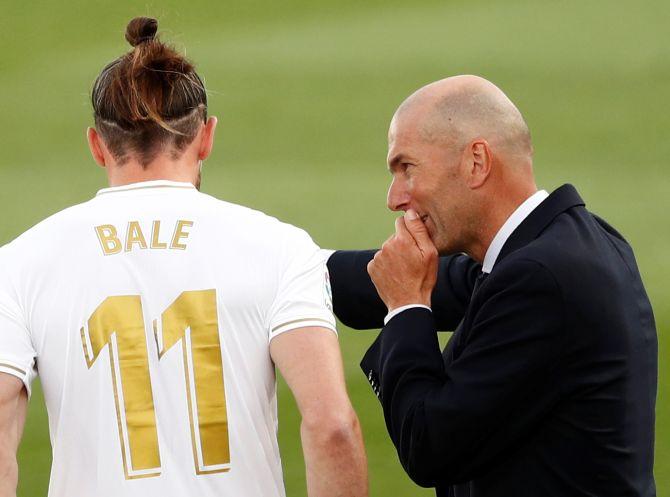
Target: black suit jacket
(548, 385)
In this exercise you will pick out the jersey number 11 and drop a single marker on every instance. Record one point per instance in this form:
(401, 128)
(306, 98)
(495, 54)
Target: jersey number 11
(191, 319)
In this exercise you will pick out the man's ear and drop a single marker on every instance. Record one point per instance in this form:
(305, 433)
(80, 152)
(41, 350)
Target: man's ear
(207, 139)
(481, 161)
(95, 145)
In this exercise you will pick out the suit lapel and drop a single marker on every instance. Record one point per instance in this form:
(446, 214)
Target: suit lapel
(481, 277)
(448, 352)
(460, 335)
(559, 201)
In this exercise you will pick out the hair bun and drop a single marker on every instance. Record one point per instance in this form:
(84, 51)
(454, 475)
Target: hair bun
(140, 30)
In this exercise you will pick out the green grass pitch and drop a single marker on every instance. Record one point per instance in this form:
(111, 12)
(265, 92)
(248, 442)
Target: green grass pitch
(304, 91)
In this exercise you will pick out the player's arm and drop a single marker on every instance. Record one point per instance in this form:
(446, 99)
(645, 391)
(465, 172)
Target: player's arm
(17, 369)
(309, 359)
(13, 407)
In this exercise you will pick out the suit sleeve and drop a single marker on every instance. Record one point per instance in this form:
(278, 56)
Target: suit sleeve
(357, 304)
(451, 423)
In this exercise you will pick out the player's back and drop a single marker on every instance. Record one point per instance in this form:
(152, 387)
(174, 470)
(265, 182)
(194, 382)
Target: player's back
(149, 312)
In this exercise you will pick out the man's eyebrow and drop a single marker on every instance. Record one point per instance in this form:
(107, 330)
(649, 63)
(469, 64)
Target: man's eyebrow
(396, 159)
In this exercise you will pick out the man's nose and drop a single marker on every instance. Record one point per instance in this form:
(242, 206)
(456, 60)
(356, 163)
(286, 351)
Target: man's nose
(397, 198)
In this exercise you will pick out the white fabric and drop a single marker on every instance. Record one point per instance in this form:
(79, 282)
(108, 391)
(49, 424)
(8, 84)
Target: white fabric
(17, 355)
(326, 253)
(398, 310)
(268, 278)
(512, 223)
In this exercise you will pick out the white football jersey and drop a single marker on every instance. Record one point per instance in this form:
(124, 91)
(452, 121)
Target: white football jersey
(148, 313)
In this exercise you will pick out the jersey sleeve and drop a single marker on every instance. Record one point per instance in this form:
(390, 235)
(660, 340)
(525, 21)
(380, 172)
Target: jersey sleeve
(17, 354)
(303, 297)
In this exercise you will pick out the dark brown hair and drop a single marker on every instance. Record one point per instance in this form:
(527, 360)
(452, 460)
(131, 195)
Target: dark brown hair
(149, 99)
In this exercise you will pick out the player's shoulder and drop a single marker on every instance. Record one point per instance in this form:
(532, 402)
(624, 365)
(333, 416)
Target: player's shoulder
(255, 222)
(48, 231)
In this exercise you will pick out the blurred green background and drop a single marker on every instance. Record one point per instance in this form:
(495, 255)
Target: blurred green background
(304, 91)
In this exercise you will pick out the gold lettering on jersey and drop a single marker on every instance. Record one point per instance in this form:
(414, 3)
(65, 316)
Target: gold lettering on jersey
(118, 324)
(134, 235)
(179, 233)
(192, 320)
(134, 239)
(109, 241)
(155, 233)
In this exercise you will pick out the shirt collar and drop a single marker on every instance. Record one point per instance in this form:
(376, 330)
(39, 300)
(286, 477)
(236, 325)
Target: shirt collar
(508, 228)
(143, 185)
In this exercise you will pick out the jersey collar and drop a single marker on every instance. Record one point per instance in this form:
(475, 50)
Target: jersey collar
(144, 185)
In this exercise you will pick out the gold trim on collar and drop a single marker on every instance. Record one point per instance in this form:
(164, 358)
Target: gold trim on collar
(122, 189)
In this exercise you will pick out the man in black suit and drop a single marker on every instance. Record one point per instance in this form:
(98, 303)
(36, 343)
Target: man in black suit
(548, 385)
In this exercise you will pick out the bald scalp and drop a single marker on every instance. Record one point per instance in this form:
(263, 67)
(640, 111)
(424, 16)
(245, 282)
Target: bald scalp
(460, 109)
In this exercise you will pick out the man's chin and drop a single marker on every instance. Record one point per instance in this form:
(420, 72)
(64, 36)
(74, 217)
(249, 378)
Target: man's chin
(445, 248)
(447, 251)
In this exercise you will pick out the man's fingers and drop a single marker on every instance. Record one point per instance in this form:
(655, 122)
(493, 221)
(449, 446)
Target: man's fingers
(402, 232)
(372, 265)
(418, 230)
(400, 228)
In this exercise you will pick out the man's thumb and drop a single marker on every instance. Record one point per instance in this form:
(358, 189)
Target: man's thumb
(416, 227)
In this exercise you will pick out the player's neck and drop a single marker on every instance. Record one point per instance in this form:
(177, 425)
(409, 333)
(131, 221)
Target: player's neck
(134, 172)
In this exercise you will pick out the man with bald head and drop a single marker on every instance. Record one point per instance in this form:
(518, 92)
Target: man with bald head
(547, 386)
